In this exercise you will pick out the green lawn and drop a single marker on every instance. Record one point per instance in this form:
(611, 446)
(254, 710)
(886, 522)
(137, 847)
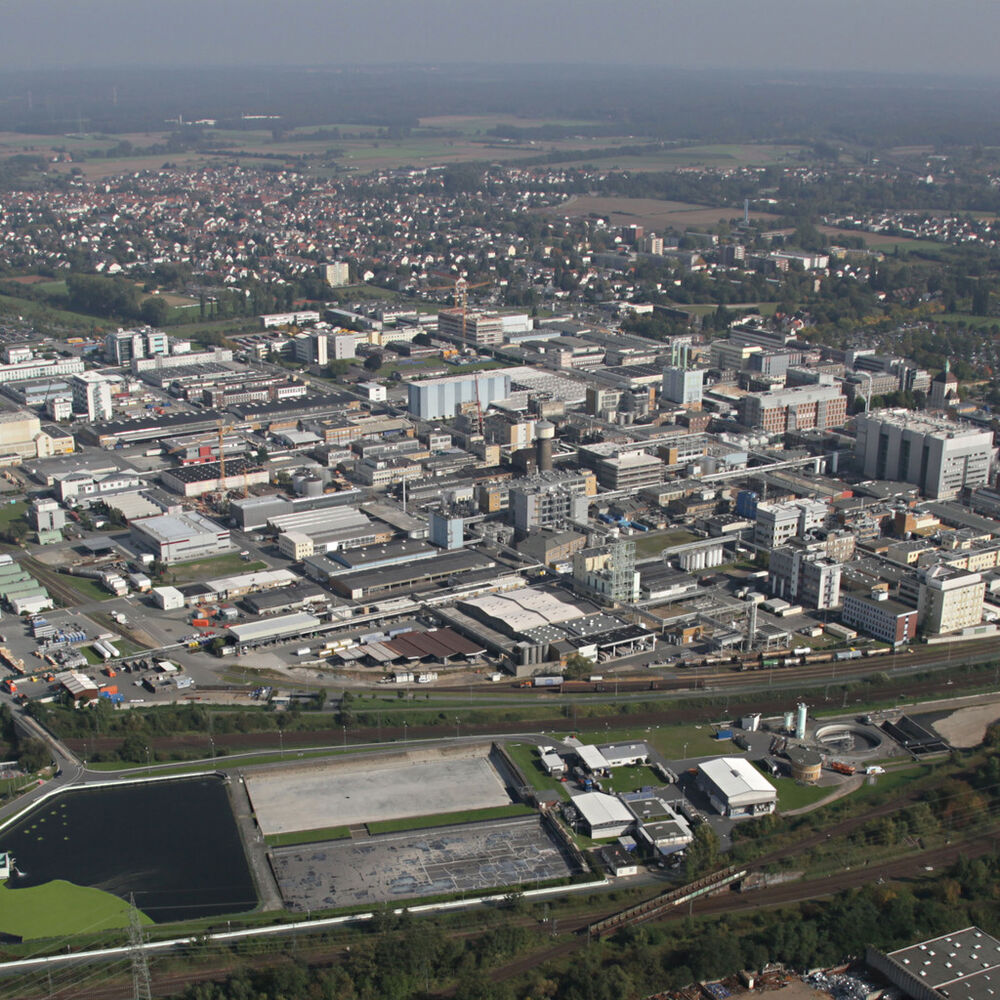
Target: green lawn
(792, 795)
(11, 512)
(674, 742)
(526, 756)
(87, 588)
(631, 779)
(206, 569)
(308, 836)
(652, 543)
(447, 819)
(60, 908)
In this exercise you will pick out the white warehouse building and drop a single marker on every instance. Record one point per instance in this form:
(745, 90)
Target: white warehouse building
(736, 788)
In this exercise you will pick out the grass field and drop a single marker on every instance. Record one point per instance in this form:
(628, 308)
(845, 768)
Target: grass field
(447, 819)
(74, 324)
(652, 543)
(654, 213)
(60, 908)
(308, 836)
(88, 589)
(674, 742)
(11, 512)
(525, 755)
(631, 779)
(205, 569)
(792, 795)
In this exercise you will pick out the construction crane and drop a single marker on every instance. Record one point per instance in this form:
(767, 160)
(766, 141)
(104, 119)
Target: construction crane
(460, 291)
(220, 435)
(461, 297)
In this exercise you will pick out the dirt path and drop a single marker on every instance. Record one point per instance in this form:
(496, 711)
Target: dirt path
(845, 788)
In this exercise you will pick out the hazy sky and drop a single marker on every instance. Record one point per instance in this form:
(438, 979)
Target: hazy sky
(947, 36)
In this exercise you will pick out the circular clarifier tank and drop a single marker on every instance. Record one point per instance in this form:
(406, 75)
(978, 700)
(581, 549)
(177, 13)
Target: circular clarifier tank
(842, 739)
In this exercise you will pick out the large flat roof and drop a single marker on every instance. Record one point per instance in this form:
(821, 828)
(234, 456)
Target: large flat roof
(737, 778)
(598, 809)
(963, 965)
(178, 527)
(274, 628)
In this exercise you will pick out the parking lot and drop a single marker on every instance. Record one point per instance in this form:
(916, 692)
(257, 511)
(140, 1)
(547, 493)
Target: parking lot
(394, 867)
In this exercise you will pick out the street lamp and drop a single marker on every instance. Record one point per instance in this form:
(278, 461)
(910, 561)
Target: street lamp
(404, 732)
(281, 741)
(457, 722)
(344, 728)
(685, 752)
(211, 740)
(148, 763)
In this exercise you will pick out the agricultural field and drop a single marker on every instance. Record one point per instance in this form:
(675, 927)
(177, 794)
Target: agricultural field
(653, 213)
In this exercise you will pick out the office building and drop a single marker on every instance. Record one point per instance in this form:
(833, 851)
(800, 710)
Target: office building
(296, 545)
(438, 398)
(683, 386)
(342, 346)
(630, 471)
(91, 395)
(39, 368)
(776, 523)
(807, 407)
(310, 348)
(880, 617)
(949, 599)
(122, 346)
(481, 328)
(336, 273)
(938, 455)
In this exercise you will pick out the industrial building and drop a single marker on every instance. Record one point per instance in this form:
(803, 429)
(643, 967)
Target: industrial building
(603, 816)
(736, 788)
(961, 965)
(658, 823)
(180, 537)
(938, 455)
(274, 629)
(683, 386)
(438, 398)
(811, 407)
(551, 500)
(801, 573)
(608, 572)
(194, 480)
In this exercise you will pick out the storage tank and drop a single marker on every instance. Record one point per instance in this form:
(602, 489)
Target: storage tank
(801, 715)
(789, 717)
(545, 432)
(308, 486)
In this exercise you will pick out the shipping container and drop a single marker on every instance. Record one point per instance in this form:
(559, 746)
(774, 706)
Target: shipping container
(724, 734)
(553, 680)
(200, 622)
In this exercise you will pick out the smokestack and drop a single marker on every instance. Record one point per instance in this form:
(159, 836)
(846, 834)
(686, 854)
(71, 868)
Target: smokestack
(545, 433)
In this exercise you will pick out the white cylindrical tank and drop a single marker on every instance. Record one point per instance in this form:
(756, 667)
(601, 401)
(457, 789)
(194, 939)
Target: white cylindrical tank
(789, 718)
(801, 715)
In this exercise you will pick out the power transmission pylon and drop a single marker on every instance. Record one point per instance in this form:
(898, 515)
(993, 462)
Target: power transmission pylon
(141, 987)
